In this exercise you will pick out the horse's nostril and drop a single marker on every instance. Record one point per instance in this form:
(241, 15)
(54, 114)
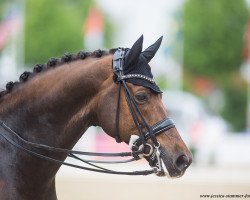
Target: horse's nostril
(182, 162)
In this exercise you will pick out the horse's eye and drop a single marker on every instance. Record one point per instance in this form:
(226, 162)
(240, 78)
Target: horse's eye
(141, 97)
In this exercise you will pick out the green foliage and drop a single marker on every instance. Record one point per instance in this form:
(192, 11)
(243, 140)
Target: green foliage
(108, 32)
(213, 35)
(235, 107)
(53, 28)
(162, 82)
(3, 4)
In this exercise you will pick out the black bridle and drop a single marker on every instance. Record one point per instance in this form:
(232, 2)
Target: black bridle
(138, 144)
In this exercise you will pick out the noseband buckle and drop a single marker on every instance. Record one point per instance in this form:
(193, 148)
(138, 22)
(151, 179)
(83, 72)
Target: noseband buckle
(154, 154)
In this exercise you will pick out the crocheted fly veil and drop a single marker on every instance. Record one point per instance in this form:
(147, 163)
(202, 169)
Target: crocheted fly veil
(136, 64)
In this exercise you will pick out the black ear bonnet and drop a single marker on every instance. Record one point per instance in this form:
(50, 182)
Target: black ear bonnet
(135, 67)
(143, 68)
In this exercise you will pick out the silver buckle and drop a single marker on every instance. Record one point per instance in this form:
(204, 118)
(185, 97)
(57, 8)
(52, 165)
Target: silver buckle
(151, 151)
(158, 169)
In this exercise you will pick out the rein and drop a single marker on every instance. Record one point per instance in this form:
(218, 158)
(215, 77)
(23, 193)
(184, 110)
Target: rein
(71, 153)
(138, 144)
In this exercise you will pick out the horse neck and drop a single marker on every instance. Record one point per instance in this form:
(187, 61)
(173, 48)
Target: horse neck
(53, 108)
(57, 106)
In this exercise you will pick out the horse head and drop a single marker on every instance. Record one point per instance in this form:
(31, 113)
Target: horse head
(137, 108)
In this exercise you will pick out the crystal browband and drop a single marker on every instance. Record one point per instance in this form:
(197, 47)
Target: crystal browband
(137, 76)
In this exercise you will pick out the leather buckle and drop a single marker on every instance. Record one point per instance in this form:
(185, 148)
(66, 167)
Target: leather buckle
(118, 61)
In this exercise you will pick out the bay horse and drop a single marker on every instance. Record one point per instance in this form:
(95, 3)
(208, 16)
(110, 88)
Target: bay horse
(51, 108)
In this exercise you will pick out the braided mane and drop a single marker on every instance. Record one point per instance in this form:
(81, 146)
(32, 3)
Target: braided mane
(53, 62)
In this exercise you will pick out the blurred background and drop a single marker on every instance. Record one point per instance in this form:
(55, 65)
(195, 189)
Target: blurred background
(203, 67)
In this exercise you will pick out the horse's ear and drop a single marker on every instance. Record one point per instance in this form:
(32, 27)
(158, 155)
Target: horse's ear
(134, 52)
(150, 52)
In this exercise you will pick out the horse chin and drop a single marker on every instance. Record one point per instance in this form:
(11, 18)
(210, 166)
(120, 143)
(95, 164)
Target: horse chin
(168, 167)
(165, 172)
(170, 172)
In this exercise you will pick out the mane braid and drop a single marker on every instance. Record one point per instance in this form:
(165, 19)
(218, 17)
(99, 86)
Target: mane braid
(38, 68)
(67, 57)
(112, 51)
(54, 62)
(24, 76)
(9, 86)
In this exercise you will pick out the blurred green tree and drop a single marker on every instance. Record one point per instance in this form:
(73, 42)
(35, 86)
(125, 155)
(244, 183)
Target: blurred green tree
(213, 33)
(2, 7)
(108, 32)
(55, 27)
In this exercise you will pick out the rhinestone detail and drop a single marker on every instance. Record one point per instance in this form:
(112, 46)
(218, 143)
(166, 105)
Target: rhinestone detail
(137, 76)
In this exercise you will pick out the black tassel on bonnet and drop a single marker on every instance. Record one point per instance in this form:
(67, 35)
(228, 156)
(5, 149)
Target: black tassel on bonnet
(136, 62)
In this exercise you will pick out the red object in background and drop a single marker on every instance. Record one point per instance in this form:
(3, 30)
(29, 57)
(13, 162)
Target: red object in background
(6, 28)
(195, 132)
(246, 47)
(203, 86)
(105, 143)
(93, 30)
(94, 21)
